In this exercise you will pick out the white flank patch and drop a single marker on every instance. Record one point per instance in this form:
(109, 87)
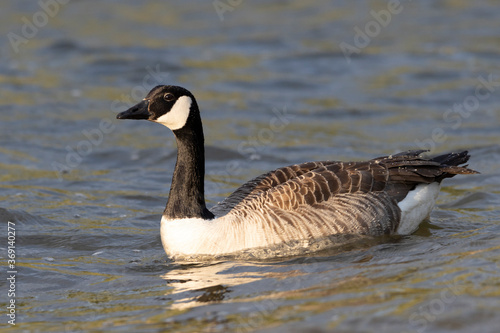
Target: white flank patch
(417, 206)
(184, 236)
(196, 236)
(177, 116)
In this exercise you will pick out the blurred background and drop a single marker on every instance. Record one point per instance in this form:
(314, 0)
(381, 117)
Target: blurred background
(278, 82)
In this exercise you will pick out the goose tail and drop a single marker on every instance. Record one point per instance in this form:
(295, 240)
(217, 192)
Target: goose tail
(451, 164)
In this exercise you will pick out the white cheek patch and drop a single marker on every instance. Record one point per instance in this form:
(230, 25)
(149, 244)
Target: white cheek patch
(177, 116)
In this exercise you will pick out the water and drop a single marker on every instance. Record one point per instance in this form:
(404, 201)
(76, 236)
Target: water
(85, 191)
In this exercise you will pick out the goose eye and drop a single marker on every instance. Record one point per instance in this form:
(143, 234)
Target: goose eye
(168, 97)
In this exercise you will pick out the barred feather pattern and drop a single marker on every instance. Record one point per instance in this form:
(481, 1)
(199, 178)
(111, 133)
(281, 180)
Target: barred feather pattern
(315, 199)
(319, 199)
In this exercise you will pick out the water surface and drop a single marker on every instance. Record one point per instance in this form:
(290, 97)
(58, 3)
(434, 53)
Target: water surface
(86, 191)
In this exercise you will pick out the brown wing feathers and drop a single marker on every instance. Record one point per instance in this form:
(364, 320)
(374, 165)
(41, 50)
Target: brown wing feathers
(325, 198)
(315, 182)
(408, 169)
(263, 183)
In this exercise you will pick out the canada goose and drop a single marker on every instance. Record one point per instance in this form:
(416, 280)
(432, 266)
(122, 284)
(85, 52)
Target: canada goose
(386, 195)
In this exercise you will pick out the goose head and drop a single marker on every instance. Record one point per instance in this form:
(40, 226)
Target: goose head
(171, 106)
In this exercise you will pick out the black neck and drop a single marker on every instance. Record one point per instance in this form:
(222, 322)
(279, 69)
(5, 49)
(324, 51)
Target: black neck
(187, 193)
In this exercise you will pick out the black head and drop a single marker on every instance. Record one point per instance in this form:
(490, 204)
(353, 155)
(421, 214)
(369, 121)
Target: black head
(168, 105)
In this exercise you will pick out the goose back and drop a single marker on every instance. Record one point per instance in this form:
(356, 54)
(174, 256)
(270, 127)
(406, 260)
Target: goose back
(323, 198)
